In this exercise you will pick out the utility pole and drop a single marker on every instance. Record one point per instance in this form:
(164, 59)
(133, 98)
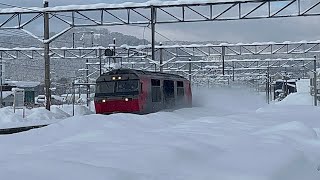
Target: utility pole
(46, 56)
(315, 81)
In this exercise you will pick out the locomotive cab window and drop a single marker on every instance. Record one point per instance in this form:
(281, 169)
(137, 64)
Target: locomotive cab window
(127, 86)
(155, 90)
(105, 87)
(180, 89)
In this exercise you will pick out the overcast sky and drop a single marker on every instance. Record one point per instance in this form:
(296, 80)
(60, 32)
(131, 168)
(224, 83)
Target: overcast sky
(278, 30)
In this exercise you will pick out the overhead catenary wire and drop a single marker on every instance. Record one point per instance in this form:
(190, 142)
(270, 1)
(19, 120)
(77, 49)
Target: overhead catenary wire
(27, 8)
(20, 34)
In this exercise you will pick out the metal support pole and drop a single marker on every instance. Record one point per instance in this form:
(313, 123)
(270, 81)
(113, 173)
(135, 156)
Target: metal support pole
(267, 86)
(1, 83)
(73, 97)
(315, 80)
(73, 45)
(153, 30)
(232, 70)
(47, 57)
(161, 58)
(87, 80)
(114, 50)
(270, 88)
(190, 70)
(100, 61)
(79, 91)
(286, 84)
(223, 53)
(92, 37)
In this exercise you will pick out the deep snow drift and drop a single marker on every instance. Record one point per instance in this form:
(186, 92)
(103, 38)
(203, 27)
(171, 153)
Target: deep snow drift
(230, 134)
(38, 116)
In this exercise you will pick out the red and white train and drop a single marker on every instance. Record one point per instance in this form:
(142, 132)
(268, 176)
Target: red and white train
(141, 92)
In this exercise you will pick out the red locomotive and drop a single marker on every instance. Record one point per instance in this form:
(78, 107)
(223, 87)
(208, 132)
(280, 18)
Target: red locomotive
(141, 92)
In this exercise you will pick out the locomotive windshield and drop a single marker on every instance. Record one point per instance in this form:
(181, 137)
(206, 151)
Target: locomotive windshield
(117, 87)
(105, 87)
(127, 86)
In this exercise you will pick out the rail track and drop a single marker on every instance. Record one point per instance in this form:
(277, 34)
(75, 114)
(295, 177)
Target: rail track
(14, 130)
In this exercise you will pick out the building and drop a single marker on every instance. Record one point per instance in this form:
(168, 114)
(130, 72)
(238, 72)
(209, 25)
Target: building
(283, 87)
(311, 75)
(31, 90)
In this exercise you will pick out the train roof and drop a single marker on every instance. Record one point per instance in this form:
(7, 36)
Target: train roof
(142, 73)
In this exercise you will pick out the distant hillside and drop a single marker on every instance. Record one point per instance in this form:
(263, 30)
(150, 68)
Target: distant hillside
(33, 70)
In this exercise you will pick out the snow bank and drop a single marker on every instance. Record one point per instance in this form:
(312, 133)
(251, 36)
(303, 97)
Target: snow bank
(41, 114)
(36, 116)
(7, 116)
(79, 110)
(301, 97)
(297, 99)
(291, 129)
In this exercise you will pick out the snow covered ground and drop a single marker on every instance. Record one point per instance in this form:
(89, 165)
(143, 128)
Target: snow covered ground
(230, 134)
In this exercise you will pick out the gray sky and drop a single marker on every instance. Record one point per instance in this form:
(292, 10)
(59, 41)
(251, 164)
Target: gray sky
(278, 30)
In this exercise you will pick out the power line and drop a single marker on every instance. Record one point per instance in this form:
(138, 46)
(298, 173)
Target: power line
(15, 6)
(17, 33)
(26, 8)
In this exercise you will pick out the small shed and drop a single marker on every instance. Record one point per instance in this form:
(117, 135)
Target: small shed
(31, 89)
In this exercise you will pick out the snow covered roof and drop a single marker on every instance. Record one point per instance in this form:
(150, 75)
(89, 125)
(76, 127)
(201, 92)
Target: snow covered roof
(289, 80)
(23, 84)
(5, 94)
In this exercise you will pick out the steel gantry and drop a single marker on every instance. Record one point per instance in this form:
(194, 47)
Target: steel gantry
(158, 12)
(176, 51)
(178, 58)
(149, 13)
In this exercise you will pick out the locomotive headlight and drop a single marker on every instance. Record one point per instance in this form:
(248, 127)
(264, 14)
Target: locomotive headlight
(119, 77)
(113, 78)
(126, 99)
(103, 100)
